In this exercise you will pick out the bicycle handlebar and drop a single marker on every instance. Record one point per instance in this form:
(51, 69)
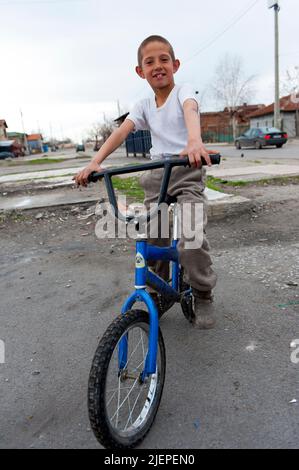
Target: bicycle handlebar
(167, 163)
(175, 160)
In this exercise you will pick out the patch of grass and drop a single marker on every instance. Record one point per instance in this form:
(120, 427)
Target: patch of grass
(219, 184)
(257, 161)
(130, 187)
(12, 215)
(213, 183)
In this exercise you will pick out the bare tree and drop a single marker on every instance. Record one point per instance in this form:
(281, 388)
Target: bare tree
(100, 131)
(290, 82)
(290, 86)
(230, 88)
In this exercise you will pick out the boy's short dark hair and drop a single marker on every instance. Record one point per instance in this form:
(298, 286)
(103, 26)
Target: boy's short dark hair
(154, 38)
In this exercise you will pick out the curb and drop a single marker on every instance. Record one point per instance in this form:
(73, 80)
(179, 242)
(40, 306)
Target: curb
(228, 207)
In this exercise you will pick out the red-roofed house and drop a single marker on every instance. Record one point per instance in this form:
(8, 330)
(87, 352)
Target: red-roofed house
(35, 143)
(289, 113)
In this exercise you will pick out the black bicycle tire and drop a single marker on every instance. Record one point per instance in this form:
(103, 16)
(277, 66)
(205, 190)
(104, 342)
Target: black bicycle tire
(97, 380)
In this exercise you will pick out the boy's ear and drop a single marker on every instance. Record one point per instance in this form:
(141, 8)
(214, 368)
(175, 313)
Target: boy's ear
(176, 65)
(139, 71)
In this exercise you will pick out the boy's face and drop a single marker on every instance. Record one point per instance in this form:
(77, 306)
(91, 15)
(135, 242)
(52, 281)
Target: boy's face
(157, 65)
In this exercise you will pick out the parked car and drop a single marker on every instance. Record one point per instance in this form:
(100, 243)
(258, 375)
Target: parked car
(4, 155)
(80, 148)
(260, 137)
(12, 147)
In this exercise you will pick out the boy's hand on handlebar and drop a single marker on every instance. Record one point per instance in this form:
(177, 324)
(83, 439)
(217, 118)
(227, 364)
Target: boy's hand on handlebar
(195, 150)
(81, 178)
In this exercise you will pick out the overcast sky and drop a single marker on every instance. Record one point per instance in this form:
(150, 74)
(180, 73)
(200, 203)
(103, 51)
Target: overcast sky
(66, 62)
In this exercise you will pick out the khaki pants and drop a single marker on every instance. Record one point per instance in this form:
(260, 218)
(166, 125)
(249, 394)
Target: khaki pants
(187, 185)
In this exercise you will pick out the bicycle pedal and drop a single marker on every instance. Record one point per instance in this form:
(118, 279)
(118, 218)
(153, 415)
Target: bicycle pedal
(187, 307)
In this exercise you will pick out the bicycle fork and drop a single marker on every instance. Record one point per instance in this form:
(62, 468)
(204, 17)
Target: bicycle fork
(144, 277)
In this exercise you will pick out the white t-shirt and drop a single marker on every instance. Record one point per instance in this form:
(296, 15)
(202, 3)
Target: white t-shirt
(166, 123)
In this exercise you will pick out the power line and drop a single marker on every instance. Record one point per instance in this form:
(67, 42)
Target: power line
(232, 23)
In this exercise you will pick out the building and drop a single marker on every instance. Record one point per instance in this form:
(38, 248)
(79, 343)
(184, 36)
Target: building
(3, 127)
(19, 137)
(35, 143)
(217, 126)
(289, 112)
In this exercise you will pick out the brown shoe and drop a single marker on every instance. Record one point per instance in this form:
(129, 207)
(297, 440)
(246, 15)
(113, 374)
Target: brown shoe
(203, 310)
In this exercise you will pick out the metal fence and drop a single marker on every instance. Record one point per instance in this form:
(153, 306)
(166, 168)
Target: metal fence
(223, 134)
(139, 142)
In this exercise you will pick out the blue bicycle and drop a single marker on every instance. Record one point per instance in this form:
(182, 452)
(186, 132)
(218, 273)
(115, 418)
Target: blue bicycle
(128, 369)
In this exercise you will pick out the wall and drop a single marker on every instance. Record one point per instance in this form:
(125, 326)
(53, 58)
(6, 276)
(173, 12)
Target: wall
(3, 135)
(288, 122)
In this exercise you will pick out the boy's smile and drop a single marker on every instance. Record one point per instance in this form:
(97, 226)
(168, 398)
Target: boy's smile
(158, 67)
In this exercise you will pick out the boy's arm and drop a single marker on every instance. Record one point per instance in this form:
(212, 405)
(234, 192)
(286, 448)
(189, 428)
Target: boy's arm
(117, 137)
(195, 148)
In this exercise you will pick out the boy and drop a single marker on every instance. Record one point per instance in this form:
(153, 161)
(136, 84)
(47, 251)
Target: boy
(172, 116)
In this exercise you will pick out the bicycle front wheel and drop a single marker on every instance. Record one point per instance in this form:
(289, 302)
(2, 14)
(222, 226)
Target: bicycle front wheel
(121, 407)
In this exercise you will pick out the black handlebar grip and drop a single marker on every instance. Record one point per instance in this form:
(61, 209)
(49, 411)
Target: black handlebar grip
(94, 177)
(214, 157)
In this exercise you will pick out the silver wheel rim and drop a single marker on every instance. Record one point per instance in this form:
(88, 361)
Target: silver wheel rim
(128, 402)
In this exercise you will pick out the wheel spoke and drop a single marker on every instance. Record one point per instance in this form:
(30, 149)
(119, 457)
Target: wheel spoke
(130, 416)
(133, 352)
(120, 405)
(118, 400)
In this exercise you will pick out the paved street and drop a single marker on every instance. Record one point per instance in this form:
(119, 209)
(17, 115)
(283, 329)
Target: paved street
(289, 154)
(289, 151)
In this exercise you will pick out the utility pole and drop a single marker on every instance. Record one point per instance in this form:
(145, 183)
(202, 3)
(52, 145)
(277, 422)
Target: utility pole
(51, 132)
(296, 100)
(25, 137)
(118, 108)
(275, 5)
